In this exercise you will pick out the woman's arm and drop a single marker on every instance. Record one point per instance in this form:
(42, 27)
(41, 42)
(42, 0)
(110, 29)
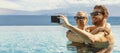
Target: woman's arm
(73, 37)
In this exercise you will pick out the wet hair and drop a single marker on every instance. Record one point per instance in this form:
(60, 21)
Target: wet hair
(86, 15)
(104, 10)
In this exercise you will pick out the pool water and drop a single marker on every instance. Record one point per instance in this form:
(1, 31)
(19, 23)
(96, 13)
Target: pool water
(40, 39)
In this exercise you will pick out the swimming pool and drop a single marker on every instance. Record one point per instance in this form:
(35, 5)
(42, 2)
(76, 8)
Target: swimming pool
(40, 39)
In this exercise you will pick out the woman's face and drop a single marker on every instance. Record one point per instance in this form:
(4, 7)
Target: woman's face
(81, 19)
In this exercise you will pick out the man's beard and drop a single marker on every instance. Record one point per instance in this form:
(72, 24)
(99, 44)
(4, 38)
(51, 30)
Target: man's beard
(97, 23)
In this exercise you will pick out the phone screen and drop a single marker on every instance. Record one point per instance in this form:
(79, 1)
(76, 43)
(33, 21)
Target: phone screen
(54, 19)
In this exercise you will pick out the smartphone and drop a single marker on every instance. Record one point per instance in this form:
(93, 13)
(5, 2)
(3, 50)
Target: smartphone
(55, 19)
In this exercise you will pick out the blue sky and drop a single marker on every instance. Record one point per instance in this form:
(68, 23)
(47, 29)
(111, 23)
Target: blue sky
(35, 7)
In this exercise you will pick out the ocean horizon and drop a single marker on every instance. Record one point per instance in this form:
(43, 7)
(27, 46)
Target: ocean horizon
(42, 20)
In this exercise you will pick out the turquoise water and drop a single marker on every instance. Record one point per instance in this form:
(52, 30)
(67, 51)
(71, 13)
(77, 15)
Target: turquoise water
(40, 39)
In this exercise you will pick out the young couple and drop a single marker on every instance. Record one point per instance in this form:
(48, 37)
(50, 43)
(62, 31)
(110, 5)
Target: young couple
(93, 39)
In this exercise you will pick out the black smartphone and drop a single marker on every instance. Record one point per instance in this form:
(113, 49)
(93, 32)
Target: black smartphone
(55, 19)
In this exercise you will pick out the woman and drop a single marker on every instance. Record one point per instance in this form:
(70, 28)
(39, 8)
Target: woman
(74, 40)
(81, 20)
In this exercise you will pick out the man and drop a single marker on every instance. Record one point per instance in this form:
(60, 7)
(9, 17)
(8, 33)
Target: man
(99, 42)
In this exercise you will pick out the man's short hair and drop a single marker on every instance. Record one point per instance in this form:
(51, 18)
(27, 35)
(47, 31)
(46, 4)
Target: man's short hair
(104, 9)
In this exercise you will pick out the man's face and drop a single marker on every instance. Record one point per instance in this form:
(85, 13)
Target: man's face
(97, 16)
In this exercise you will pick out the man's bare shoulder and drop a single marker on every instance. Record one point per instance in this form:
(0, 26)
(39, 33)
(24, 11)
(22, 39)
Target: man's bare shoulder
(90, 28)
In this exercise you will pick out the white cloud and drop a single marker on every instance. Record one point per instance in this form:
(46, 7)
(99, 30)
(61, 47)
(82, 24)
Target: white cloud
(94, 2)
(35, 5)
(107, 2)
(9, 5)
(4, 12)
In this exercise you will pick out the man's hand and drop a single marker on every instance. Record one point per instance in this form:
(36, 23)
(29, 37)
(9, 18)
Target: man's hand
(65, 21)
(101, 29)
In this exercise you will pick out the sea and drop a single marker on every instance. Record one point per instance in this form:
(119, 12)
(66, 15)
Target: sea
(36, 34)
